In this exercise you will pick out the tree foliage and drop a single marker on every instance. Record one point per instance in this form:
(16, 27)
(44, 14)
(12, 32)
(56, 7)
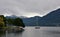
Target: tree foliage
(18, 22)
(2, 21)
(10, 21)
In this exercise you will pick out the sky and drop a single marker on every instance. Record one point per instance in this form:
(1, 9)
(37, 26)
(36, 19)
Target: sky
(28, 8)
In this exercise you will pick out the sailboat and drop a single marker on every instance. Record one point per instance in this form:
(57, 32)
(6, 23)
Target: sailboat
(37, 27)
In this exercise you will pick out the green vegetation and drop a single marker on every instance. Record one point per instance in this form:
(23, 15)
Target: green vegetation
(2, 22)
(16, 22)
(10, 21)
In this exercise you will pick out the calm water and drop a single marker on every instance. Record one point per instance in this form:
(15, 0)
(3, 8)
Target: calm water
(32, 32)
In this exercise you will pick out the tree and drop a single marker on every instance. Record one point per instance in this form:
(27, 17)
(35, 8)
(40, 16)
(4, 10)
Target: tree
(19, 22)
(10, 21)
(2, 21)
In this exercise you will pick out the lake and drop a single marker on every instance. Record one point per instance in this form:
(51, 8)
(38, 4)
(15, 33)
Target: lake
(32, 32)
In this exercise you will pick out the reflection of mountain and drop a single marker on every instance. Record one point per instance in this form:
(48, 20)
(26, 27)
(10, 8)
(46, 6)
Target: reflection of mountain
(51, 19)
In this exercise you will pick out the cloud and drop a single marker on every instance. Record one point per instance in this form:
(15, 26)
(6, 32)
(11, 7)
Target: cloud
(27, 7)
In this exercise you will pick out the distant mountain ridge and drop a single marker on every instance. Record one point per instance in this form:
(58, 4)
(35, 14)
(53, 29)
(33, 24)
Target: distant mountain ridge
(51, 19)
(31, 21)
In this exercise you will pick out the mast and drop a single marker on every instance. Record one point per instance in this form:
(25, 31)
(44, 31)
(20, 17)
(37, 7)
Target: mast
(37, 27)
(37, 21)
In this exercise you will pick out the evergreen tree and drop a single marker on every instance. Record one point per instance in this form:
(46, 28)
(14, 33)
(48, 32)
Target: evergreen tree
(19, 22)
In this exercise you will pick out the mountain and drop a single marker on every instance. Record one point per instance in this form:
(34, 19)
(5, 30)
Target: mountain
(51, 19)
(12, 16)
(32, 21)
(27, 21)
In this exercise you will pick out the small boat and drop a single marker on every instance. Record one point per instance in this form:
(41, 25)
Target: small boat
(37, 27)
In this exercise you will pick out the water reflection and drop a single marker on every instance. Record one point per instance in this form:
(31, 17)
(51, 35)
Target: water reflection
(32, 32)
(2, 33)
(11, 33)
(14, 33)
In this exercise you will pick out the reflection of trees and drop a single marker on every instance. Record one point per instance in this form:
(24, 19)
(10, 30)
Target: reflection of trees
(2, 33)
(18, 34)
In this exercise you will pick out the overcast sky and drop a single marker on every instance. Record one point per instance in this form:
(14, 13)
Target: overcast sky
(28, 8)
